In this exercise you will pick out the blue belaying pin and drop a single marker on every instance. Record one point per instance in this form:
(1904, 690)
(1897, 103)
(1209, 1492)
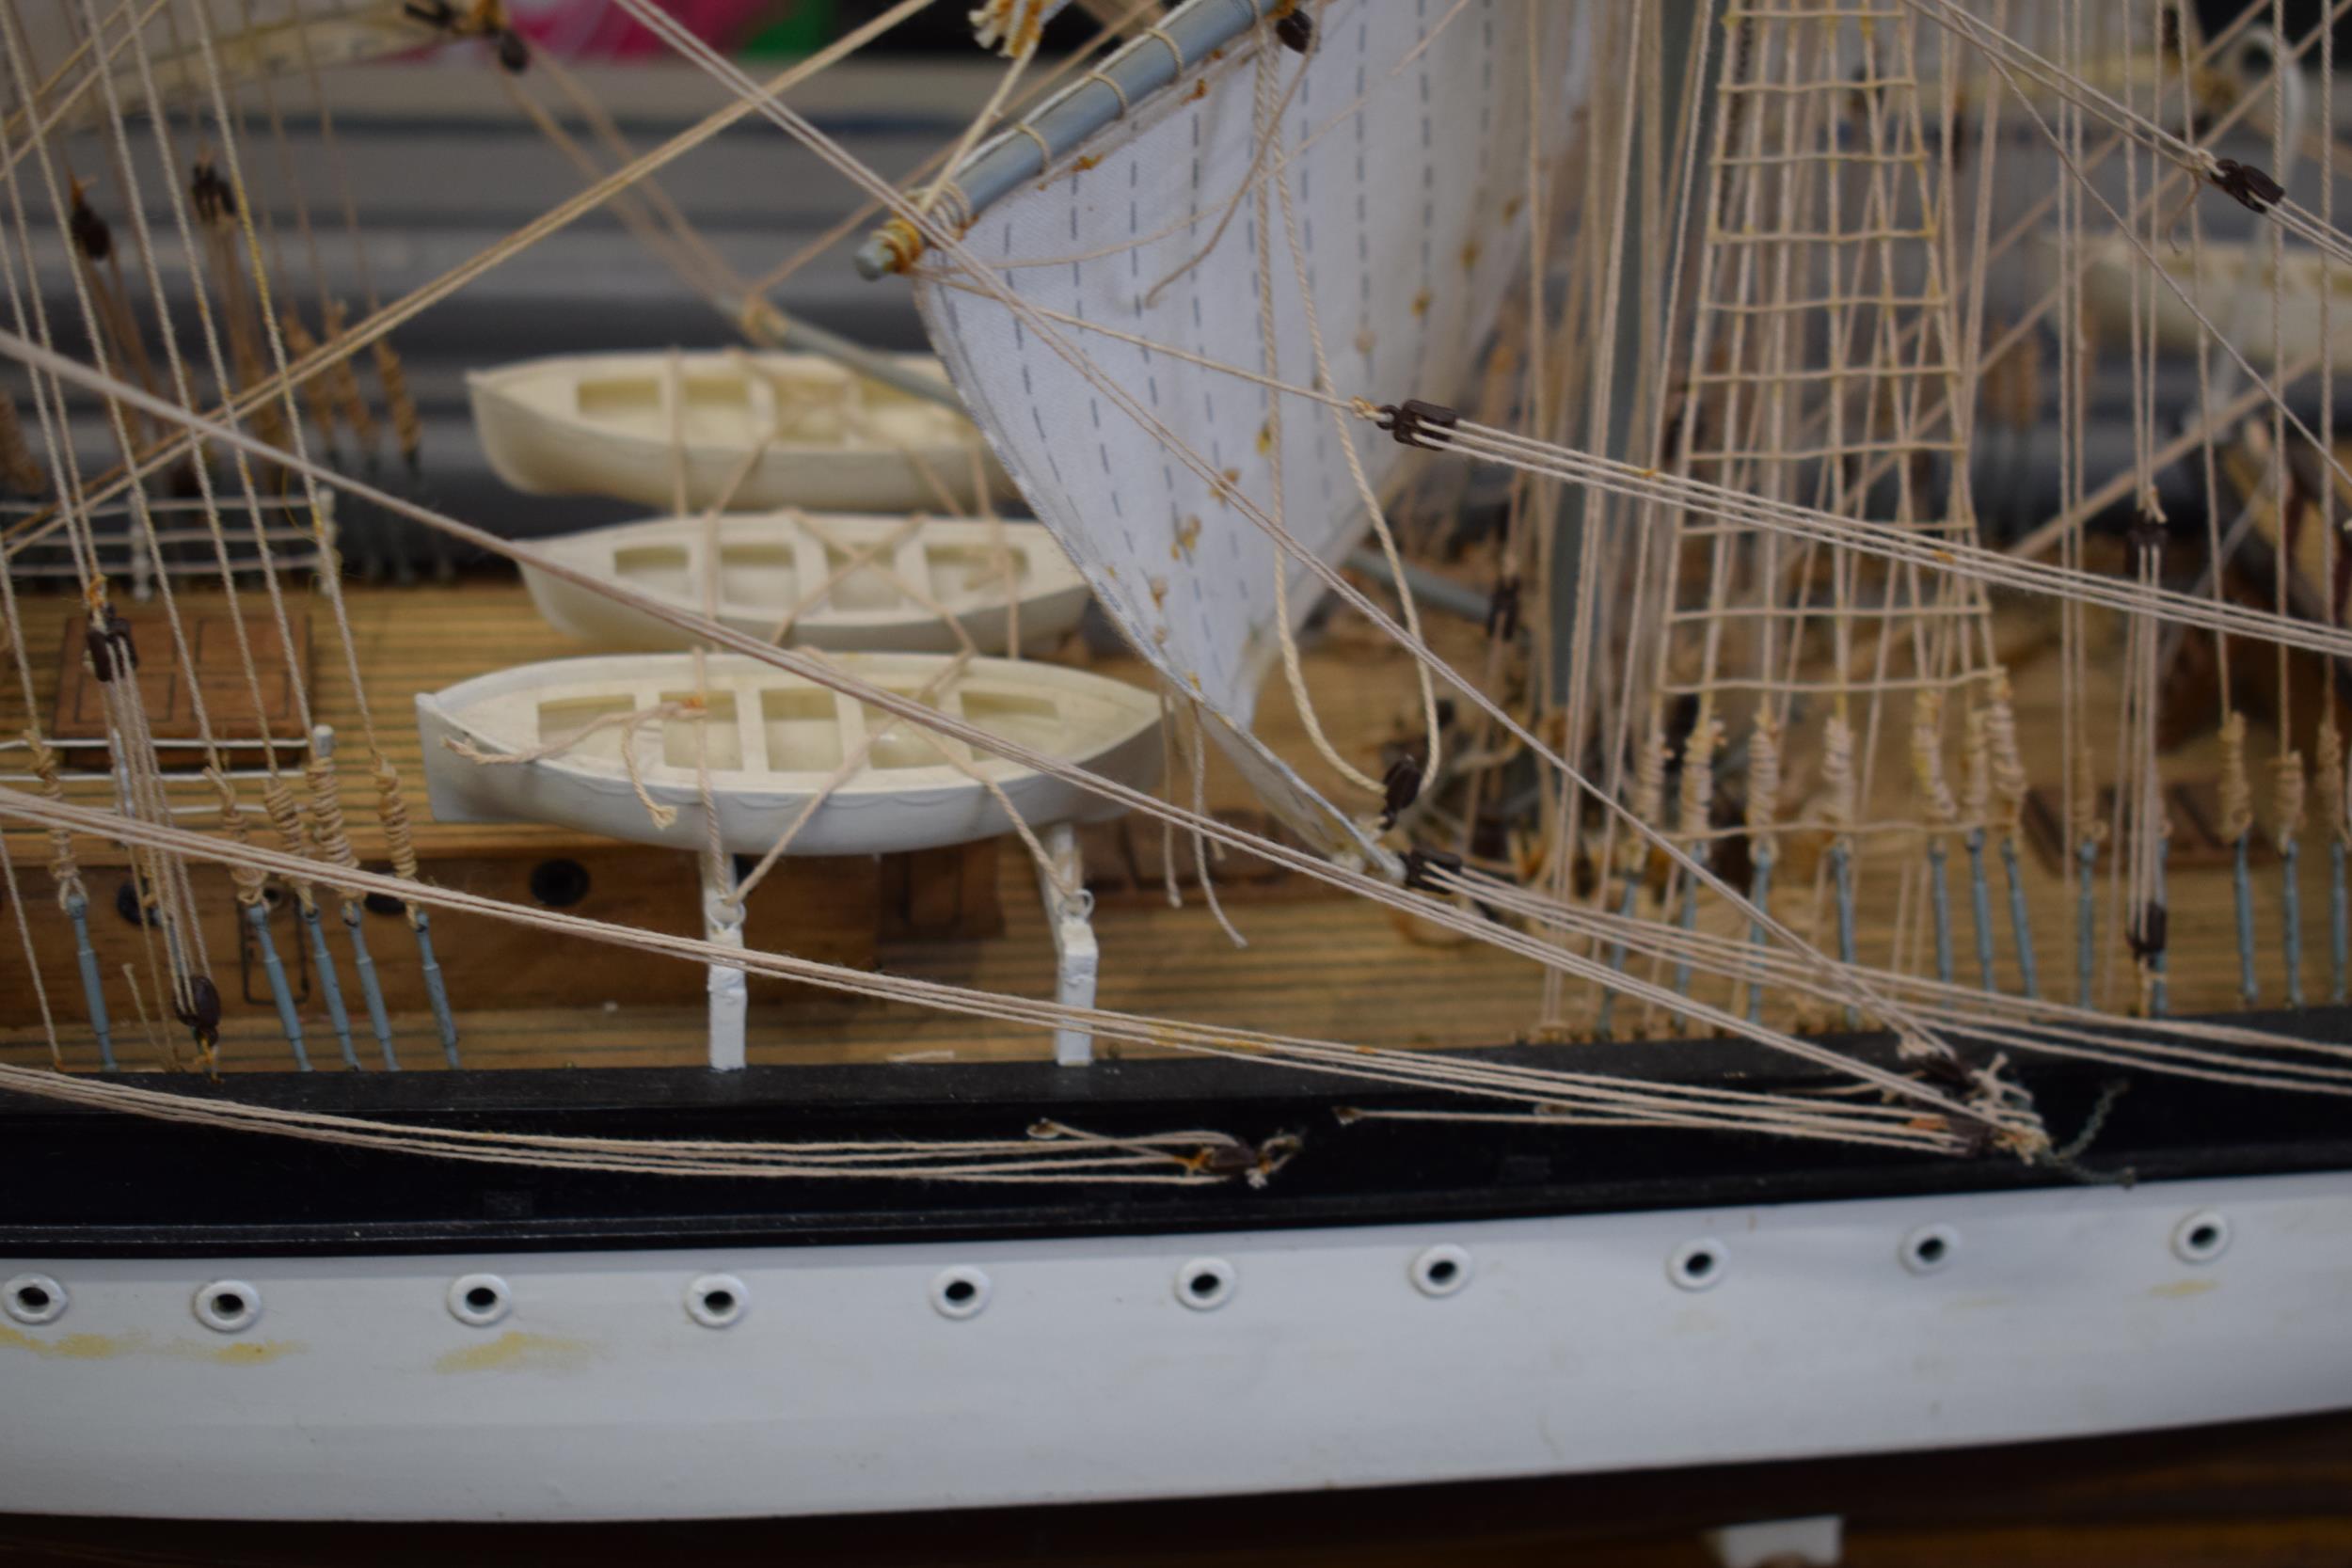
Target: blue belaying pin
(1980, 905)
(436, 993)
(2291, 919)
(1940, 900)
(1841, 877)
(330, 987)
(2250, 988)
(2339, 920)
(370, 991)
(1759, 889)
(288, 1019)
(93, 988)
(2021, 921)
(1616, 959)
(2086, 918)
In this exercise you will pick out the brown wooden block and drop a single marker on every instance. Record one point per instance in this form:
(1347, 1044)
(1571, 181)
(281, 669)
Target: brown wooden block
(1103, 851)
(948, 891)
(170, 689)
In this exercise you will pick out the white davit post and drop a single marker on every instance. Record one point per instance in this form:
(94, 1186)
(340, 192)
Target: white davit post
(1078, 960)
(730, 990)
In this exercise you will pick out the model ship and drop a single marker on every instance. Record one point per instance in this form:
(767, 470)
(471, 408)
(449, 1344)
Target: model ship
(1822, 957)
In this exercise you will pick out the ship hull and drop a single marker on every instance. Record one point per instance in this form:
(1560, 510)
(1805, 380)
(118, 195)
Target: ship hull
(1403, 1301)
(1085, 1376)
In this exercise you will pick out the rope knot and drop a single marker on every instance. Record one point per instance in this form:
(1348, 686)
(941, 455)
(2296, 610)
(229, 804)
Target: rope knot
(1649, 797)
(763, 322)
(1763, 776)
(902, 247)
(1698, 776)
(1927, 759)
(2237, 792)
(2329, 780)
(2288, 798)
(2011, 782)
(391, 809)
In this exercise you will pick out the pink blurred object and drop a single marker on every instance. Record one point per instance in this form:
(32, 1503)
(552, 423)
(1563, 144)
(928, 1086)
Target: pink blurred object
(597, 30)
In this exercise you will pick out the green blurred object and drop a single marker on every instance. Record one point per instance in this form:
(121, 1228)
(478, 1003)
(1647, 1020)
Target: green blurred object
(801, 27)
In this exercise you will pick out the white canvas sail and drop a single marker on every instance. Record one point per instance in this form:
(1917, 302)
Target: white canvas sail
(1405, 147)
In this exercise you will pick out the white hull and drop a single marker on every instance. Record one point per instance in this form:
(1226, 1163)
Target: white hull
(628, 424)
(2237, 297)
(772, 565)
(771, 743)
(358, 1393)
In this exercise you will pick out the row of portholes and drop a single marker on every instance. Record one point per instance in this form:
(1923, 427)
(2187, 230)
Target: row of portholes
(1203, 1284)
(477, 1300)
(2200, 1238)
(712, 1300)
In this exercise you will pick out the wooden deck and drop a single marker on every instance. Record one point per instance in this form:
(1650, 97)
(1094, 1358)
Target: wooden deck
(1316, 963)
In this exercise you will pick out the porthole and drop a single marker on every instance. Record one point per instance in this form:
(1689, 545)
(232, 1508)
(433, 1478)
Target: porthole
(1205, 1283)
(33, 1299)
(959, 1292)
(2201, 1237)
(227, 1305)
(1930, 1249)
(1698, 1266)
(717, 1300)
(1442, 1270)
(479, 1300)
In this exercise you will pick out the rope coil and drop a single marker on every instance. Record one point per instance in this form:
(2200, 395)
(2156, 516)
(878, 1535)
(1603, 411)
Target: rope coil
(1976, 792)
(1698, 776)
(1763, 774)
(1837, 773)
(408, 424)
(317, 393)
(2288, 795)
(1927, 760)
(344, 380)
(1649, 797)
(2328, 780)
(2010, 782)
(2237, 791)
(328, 829)
(285, 816)
(64, 869)
(248, 877)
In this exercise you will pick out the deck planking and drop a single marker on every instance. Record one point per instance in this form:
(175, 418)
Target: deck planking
(1329, 967)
